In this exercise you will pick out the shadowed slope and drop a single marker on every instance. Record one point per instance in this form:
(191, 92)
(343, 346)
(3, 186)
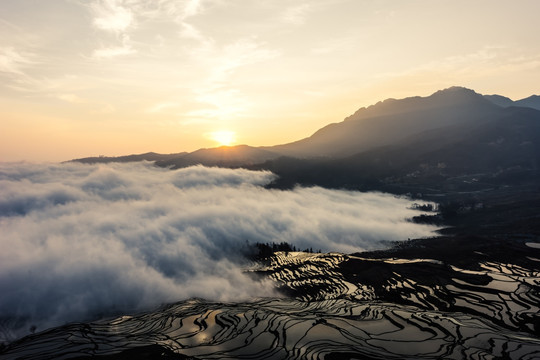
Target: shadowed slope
(150, 156)
(224, 156)
(391, 121)
(532, 101)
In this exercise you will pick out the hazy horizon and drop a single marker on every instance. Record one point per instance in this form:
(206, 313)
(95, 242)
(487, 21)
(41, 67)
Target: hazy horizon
(116, 77)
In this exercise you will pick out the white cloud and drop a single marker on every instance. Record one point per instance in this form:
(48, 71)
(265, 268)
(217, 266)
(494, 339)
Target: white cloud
(191, 8)
(243, 52)
(13, 61)
(111, 15)
(217, 97)
(161, 107)
(296, 15)
(219, 103)
(123, 15)
(80, 240)
(488, 60)
(188, 31)
(106, 109)
(72, 98)
(110, 52)
(334, 46)
(114, 51)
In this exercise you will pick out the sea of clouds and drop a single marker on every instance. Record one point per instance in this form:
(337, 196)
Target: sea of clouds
(82, 241)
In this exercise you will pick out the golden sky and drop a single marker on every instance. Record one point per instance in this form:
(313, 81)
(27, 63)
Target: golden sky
(115, 77)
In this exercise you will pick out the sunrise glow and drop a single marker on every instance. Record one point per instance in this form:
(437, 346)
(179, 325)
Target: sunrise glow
(114, 77)
(223, 138)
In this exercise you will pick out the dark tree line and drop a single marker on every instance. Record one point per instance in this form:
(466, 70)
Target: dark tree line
(266, 250)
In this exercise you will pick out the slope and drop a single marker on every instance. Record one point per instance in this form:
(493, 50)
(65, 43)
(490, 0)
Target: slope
(224, 156)
(391, 121)
(150, 156)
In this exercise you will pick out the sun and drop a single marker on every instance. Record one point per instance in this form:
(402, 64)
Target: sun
(223, 138)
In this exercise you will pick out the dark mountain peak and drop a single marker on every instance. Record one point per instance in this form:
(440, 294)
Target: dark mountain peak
(532, 101)
(456, 90)
(500, 100)
(455, 96)
(391, 120)
(531, 98)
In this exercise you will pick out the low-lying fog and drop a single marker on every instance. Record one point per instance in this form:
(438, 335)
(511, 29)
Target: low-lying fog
(80, 241)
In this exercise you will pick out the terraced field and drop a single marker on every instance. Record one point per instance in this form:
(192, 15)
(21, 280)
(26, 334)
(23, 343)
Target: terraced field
(338, 307)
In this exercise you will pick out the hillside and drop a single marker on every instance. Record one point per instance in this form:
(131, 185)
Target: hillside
(469, 292)
(455, 128)
(224, 156)
(532, 101)
(391, 121)
(451, 133)
(150, 156)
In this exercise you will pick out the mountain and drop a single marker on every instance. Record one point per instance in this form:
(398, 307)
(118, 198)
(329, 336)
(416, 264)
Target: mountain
(494, 150)
(530, 102)
(391, 121)
(150, 156)
(473, 294)
(395, 132)
(224, 156)
(407, 145)
(482, 167)
(500, 100)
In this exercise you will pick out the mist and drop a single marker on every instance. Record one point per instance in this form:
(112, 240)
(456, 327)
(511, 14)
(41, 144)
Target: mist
(84, 241)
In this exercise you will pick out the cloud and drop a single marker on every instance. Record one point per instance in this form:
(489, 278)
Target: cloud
(80, 241)
(487, 61)
(111, 15)
(191, 8)
(297, 15)
(244, 52)
(123, 15)
(331, 47)
(110, 52)
(162, 107)
(219, 99)
(118, 17)
(218, 103)
(72, 98)
(12, 61)
(113, 51)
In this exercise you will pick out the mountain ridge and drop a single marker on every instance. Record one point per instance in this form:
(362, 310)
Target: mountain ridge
(148, 156)
(392, 123)
(391, 120)
(225, 156)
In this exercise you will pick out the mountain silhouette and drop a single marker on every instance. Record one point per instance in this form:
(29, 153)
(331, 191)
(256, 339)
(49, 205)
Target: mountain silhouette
(224, 156)
(150, 156)
(453, 132)
(500, 100)
(470, 293)
(452, 141)
(530, 102)
(391, 121)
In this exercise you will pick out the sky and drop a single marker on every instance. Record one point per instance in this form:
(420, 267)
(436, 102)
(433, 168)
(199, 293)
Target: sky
(79, 241)
(115, 77)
